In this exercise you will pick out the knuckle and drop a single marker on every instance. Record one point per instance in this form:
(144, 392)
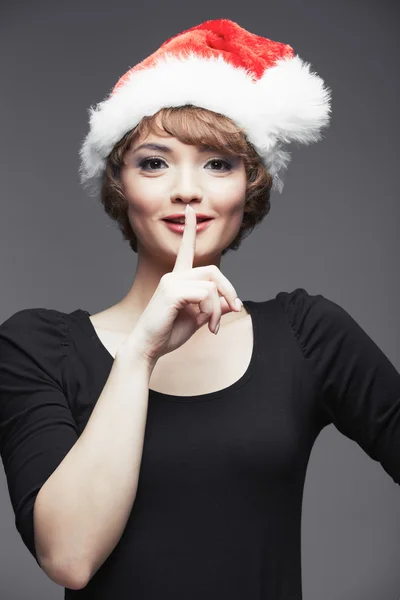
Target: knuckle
(214, 269)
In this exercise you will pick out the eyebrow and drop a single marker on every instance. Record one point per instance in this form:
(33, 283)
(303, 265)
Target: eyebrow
(167, 149)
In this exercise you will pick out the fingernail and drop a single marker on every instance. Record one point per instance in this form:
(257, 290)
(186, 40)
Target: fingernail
(238, 304)
(217, 328)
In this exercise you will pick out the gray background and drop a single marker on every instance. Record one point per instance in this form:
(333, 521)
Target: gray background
(334, 230)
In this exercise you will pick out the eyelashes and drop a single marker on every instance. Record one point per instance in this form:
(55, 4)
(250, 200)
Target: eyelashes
(142, 163)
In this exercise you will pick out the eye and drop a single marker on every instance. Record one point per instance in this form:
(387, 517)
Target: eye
(228, 165)
(144, 162)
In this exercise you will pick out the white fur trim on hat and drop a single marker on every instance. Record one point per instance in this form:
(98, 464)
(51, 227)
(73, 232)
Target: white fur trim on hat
(289, 103)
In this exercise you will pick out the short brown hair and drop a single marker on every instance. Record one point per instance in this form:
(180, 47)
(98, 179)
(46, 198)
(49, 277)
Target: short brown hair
(198, 126)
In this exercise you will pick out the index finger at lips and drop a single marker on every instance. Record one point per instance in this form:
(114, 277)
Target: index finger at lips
(184, 259)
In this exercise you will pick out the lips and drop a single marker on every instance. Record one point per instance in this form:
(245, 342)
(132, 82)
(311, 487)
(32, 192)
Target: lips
(180, 227)
(179, 221)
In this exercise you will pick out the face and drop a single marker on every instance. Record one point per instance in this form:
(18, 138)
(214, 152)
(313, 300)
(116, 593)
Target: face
(160, 181)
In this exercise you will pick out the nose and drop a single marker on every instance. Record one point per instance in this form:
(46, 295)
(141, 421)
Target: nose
(186, 187)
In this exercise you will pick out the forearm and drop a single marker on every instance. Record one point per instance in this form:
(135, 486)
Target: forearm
(82, 509)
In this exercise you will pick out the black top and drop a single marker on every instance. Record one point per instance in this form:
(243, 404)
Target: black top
(218, 507)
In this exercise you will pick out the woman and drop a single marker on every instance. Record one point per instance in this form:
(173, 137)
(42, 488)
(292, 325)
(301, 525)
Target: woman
(146, 458)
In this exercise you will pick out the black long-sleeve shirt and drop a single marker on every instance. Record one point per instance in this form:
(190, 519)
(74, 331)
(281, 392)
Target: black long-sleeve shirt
(217, 513)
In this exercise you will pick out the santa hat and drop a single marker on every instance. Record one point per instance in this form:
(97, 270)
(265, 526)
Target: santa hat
(259, 83)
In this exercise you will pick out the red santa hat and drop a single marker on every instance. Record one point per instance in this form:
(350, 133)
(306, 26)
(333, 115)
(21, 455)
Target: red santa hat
(257, 82)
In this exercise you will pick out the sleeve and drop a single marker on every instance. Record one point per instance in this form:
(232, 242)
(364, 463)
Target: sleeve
(359, 388)
(37, 428)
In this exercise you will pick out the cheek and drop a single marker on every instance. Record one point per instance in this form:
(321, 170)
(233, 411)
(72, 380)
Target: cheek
(236, 188)
(235, 198)
(143, 199)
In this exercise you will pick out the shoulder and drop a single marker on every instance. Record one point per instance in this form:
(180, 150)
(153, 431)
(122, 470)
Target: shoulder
(314, 318)
(300, 300)
(299, 303)
(34, 336)
(34, 318)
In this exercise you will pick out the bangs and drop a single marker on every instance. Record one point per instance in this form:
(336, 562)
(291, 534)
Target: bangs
(195, 126)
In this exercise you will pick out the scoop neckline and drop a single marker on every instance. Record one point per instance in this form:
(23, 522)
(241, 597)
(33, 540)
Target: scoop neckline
(251, 308)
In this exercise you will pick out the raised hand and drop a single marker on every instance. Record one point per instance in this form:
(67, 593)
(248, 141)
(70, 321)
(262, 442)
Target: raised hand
(185, 299)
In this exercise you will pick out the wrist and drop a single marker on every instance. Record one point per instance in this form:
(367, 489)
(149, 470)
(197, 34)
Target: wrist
(131, 353)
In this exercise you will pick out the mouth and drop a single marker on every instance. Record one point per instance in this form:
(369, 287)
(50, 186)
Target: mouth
(179, 227)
